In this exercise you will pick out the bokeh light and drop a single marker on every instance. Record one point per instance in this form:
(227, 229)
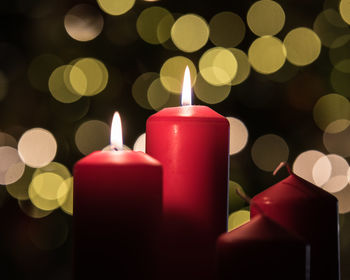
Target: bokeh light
(65, 195)
(304, 163)
(19, 189)
(238, 218)
(157, 95)
(303, 46)
(11, 165)
(265, 17)
(337, 143)
(88, 76)
(154, 25)
(235, 201)
(116, 7)
(222, 36)
(344, 9)
(267, 54)
(83, 22)
(7, 140)
(268, 151)
(209, 93)
(140, 88)
(37, 147)
(190, 32)
(91, 136)
(59, 84)
(54, 167)
(140, 143)
(31, 210)
(243, 66)
(238, 135)
(172, 73)
(218, 66)
(330, 108)
(46, 185)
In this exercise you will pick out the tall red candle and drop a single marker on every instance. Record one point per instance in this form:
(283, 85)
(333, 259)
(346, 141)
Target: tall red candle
(117, 214)
(262, 249)
(310, 212)
(192, 143)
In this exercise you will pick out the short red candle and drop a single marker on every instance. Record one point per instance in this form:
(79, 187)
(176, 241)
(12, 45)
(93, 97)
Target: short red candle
(192, 143)
(262, 249)
(310, 212)
(117, 214)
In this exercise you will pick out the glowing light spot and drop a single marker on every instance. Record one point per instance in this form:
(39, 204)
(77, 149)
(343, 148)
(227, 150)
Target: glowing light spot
(190, 33)
(331, 29)
(40, 69)
(303, 46)
(265, 17)
(338, 168)
(157, 95)
(88, 77)
(337, 143)
(267, 54)
(37, 147)
(304, 163)
(65, 196)
(140, 88)
(116, 7)
(209, 93)
(218, 66)
(238, 218)
(238, 135)
(243, 66)
(154, 25)
(235, 201)
(322, 171)
(344, 9)
(46, 185)
(38, 200)
(329, 108)
(54, 167)
(83, 22)
(31, 210)
(7, 140)
(19, 189)
(269, 151)
(3, 85)
(49, 233)
(91, 136)
(172, 71)
(140, 143)
(11, 166)
(225, 37)
(59, 84)
(343, 197)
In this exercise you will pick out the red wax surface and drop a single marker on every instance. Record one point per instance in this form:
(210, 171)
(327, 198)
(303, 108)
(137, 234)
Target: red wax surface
(262, 249)
(192, 143)
(117, 215)
(310, 212)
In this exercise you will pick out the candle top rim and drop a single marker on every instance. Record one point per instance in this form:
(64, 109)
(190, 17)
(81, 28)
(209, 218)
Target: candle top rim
(122, 158)
(189, 112)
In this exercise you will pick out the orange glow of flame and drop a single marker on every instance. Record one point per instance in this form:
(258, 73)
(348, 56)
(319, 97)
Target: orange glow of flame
(186, 97)
(117, 133)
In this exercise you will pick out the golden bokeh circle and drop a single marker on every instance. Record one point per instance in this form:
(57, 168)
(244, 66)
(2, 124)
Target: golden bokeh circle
(344, 9)
(157, 95)
(31, 210)
(190, 33)
(303, 46)
(268, 151)
(222, 36)
(209, 93)
(154, 25)
(266, 17)
(65, 196)
(218, 66)
(172, 73)
(330, 108)
(238, 218)
(243, 66)
(19, 189)
(140, 88)
(116, 7)
(236, 202)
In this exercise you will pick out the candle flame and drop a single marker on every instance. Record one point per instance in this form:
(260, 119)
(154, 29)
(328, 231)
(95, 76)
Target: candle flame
(186, 97)
(117, 133)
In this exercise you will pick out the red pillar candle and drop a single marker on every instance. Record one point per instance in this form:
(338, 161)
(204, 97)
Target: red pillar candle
(310, 212)
(117, 213)
(262, 249)
(192, 143)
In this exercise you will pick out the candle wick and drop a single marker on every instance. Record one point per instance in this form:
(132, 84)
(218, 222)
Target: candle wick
(283, 164)
(243, 196)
